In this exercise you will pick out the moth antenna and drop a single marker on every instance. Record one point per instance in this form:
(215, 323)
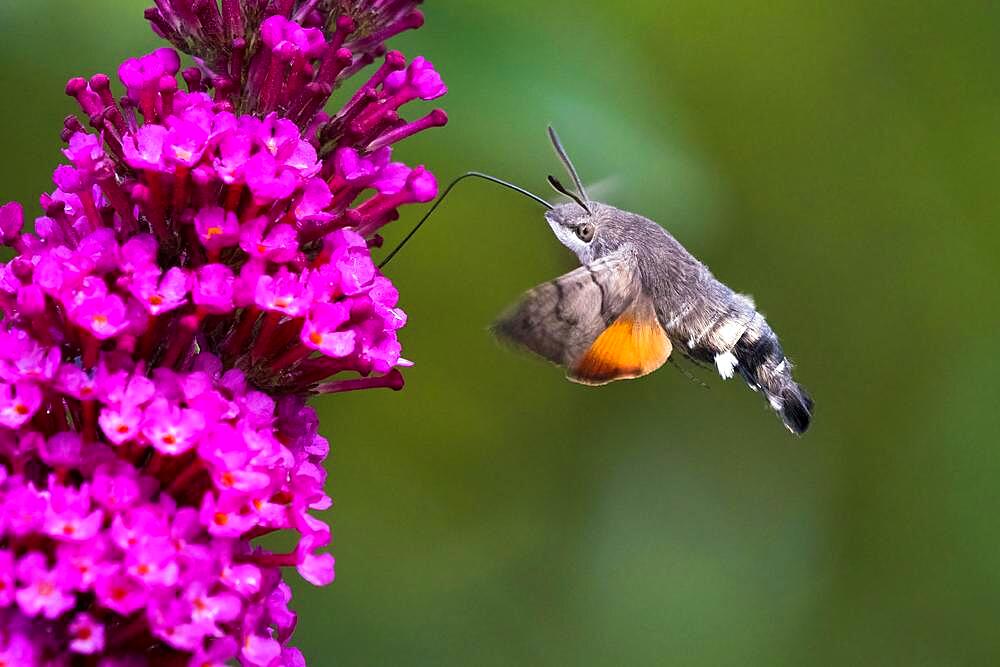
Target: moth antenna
(561, 152)
(469, 174)
(562, 189)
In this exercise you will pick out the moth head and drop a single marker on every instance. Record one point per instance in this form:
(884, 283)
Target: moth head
(590, 232)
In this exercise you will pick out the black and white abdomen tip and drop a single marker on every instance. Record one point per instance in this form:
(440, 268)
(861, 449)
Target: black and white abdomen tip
(762, 363)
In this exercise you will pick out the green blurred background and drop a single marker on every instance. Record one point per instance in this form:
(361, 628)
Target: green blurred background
(840, 162)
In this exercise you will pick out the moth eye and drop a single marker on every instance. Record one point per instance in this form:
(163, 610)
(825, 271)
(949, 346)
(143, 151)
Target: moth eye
(585, 232)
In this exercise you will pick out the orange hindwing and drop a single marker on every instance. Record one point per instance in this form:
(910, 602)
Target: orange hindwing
(634, 345)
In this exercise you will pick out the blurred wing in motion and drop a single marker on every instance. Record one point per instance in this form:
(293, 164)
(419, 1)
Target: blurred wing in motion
(607, 189)
(593, 321)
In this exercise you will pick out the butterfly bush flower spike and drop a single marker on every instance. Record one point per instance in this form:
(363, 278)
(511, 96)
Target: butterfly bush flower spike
(201, 268)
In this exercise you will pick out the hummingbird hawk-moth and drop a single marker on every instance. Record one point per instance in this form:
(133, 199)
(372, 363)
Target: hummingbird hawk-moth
(637, 296)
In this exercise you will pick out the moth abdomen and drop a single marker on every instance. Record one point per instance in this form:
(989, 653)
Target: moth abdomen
(741, 341)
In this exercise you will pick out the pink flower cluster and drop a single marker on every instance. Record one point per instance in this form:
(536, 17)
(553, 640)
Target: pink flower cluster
(139, 531)
(202, 267)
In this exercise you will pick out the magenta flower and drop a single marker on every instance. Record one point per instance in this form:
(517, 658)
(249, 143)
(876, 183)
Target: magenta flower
(86, 635)
(41, 591)
(202, 267)
(18, 403)
(217, 228)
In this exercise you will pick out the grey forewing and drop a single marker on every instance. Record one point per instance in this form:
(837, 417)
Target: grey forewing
(560, 319)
